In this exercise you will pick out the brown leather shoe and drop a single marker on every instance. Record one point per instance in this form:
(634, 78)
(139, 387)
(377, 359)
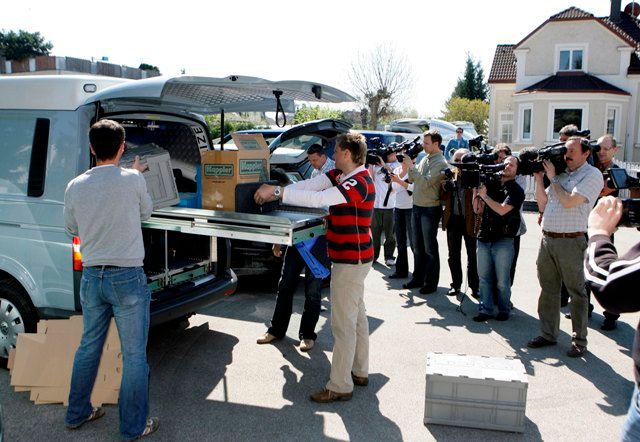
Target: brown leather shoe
(325, 396)
(360, 381)
(539, 341)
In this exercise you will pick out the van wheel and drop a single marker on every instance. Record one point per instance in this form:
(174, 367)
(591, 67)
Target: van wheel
(16, 316)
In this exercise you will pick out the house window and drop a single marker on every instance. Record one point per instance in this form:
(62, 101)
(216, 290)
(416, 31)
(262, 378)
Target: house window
(563, 117)
(526, 119)
(570, 60)
(611, 124)
(506, 127)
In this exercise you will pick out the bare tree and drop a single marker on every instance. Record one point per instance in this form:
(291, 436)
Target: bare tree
(381, 79)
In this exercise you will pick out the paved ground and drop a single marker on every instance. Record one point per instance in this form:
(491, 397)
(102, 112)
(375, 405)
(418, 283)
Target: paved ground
(210, 381)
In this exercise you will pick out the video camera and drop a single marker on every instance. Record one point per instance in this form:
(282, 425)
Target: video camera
(410, 148)
(475, 174)
(379, 150)
(630, 206)
(531, 159)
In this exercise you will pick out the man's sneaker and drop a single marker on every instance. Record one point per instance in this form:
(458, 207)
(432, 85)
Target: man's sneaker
(576, 350)
(152, 425)
(96, 413)
(307, 344)
(453, 292)
(390, 261)
(540, 341)
(267, 338)
(609, 324)
(481, 317)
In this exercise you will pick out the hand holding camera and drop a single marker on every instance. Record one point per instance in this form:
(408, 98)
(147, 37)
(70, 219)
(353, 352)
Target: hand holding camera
(605, 216)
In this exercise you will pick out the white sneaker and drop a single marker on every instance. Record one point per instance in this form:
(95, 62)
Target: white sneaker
(307, 344)
(390, 262)
(266, 338)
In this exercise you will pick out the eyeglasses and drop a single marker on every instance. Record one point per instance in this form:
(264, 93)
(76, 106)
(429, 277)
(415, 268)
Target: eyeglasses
(458, 131)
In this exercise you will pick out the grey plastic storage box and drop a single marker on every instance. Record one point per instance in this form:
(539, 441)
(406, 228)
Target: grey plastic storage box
(475, 391)
(161, 183)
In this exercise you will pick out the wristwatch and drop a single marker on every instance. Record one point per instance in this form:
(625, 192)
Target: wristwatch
(277, 192)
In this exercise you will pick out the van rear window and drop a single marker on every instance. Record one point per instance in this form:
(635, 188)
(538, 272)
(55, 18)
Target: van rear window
(16, 140)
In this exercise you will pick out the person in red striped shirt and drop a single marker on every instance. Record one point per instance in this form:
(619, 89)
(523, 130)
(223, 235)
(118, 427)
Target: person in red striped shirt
(349, 193)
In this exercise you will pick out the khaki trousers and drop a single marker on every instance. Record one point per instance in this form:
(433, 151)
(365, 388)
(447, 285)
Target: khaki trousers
(349, 325)
(561, 260)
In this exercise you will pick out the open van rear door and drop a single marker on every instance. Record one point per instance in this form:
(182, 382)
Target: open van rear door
(207, 95)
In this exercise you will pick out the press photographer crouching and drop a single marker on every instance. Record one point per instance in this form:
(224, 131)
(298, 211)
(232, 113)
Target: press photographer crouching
(610, 278)
(498, 202)
(458, 221)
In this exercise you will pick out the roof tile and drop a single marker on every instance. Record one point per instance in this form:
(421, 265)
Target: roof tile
(503, 69)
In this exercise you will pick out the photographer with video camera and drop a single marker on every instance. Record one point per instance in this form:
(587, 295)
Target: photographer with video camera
(609, 277)
(382, 221)
(565, 205)
(426, 213)
(499, 205)
(458, 221)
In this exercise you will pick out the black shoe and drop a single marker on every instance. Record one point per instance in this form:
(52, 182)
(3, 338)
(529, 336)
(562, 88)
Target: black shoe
(539, 341)
(502, 316)
(576, 350)
(411, 285)
(609, 324)
(426, 290)
(475, 294)
(396, 276)
(453, 292)
(482, 317)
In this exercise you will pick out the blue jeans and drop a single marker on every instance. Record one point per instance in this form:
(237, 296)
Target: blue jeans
(293, 265)
(631, 428)
(426, 270)
(121, 292)
(402, 227)
(494, 270)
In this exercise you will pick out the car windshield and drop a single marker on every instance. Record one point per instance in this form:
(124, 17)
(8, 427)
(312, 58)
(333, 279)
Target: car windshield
(297, 145)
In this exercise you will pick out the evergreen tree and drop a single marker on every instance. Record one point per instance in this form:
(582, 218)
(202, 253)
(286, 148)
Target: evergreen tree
(471, 85)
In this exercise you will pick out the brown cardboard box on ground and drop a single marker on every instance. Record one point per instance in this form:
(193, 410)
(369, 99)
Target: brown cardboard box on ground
(42, 363)
(223, 169)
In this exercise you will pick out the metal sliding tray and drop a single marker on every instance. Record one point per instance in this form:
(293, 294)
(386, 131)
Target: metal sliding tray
(284, 226)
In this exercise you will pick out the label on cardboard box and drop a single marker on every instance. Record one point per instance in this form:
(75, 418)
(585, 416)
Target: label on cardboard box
(222, 170)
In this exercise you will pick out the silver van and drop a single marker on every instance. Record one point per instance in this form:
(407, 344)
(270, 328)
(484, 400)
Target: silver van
(44, 123)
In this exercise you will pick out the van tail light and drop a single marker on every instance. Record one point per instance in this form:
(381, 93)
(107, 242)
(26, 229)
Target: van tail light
(77, 256)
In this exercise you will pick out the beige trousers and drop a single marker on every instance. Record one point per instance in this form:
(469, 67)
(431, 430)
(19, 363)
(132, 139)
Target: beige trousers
(349, 325)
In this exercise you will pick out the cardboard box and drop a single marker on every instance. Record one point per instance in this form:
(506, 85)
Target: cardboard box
(42, 362)
(223, 169)
(476, 392)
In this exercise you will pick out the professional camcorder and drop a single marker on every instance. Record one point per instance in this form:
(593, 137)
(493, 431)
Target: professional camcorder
(380, 150)
(410, 148)
(531, 159)
(630, 206)
(474, 175)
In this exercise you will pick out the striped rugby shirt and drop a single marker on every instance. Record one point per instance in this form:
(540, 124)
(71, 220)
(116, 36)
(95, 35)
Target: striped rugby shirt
(350, 199)
(349, 224)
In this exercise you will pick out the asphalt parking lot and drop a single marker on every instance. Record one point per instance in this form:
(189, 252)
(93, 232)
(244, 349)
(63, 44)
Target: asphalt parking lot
(211, 381)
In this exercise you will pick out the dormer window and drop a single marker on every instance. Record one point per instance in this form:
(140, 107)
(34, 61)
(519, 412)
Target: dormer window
(571, 58)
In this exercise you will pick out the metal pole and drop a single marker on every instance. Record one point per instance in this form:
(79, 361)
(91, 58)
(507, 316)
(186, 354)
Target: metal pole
(221, 129)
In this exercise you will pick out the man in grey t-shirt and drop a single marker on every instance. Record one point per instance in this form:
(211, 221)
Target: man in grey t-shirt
(104, 207)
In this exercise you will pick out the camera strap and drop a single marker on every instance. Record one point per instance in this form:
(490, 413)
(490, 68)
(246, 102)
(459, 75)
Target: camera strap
(386, 198)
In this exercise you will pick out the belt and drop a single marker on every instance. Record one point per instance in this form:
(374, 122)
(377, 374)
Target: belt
(563, 235)
(104, 267)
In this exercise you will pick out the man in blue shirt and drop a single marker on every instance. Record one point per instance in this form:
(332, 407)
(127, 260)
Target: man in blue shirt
(455, 143)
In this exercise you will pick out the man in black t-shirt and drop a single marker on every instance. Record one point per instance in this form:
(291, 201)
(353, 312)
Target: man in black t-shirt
(500, 209)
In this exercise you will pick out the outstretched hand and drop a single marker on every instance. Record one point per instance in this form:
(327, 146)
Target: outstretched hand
(604, 218)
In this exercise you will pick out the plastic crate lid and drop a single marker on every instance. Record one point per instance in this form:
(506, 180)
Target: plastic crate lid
(476, 367)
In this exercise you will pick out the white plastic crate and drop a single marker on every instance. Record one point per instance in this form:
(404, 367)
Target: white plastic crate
(161, 183)
(476, 392)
